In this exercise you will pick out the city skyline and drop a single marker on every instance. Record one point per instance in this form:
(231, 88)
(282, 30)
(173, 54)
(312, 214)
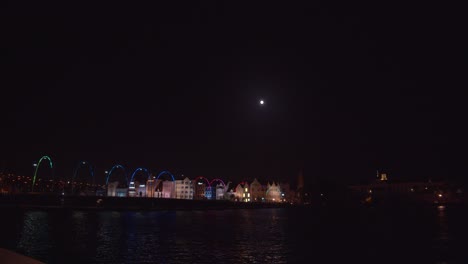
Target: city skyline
(233, 132)
(46, 167)
(178, 87)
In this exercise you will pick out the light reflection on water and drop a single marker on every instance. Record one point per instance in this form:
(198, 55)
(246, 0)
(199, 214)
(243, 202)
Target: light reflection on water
(34, 233)
(237, 236)
(442, 239)
(443, 225)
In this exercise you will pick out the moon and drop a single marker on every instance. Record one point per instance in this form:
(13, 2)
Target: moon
(262, 102)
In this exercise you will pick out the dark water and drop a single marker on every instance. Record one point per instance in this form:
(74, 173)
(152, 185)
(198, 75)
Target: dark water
(293, 235)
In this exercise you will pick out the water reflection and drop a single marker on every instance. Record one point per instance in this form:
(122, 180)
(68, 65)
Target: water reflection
(441, 244)
(34, 239)
(237, 236)
(234, 236)
(443, 224)
(263, 231)
(109, 233)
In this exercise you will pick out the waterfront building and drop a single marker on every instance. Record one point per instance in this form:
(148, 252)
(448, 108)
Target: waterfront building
(131, 189)
(273, 193)
(184, 189)
(164, 189)
(217, 191)
(230, 195)
(242, 192)
(257, 191)
(209, 192)
(168, 190)
(137, 189)
(111, 187)
(150, 188)
(116, 190)
(382, 188)
(227, 194)
(220, 191)
(158, 188)
(200, 191)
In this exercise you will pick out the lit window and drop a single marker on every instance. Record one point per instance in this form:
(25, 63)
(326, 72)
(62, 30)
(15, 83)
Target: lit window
(243, 195)
(248, 195)
(246, 190)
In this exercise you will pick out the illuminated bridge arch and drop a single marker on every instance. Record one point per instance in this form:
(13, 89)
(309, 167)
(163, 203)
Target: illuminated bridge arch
(165, 172)
(112, 170)
(212, 188)
(37, 168)
(140, 169)
(80, 165)
(218, 180)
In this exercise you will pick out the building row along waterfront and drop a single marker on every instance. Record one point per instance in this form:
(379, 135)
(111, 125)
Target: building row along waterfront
(183, 188)
(198, 190)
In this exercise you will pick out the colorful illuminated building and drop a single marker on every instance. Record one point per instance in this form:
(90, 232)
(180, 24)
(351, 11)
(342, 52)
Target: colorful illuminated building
(137, 189)
(184, 189)
(150, 188)
(114, 189)
(200, 191)
(165, 189)
(230, 195)
(257, 191)
(219, 191)
(168, 190)
(242, 192)
(273, 193)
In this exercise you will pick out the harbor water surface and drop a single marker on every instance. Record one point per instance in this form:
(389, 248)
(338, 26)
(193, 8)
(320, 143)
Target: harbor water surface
(432, 234)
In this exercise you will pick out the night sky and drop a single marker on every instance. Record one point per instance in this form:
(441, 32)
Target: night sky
(350, 88)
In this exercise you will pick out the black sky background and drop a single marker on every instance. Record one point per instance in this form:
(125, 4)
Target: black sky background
(349, 88)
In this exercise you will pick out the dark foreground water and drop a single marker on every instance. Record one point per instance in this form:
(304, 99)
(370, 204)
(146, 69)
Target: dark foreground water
(293, 235)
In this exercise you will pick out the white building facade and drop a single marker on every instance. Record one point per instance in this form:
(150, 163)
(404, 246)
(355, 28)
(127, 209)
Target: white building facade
(114, 190)
(184, 189)
(273, 193)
